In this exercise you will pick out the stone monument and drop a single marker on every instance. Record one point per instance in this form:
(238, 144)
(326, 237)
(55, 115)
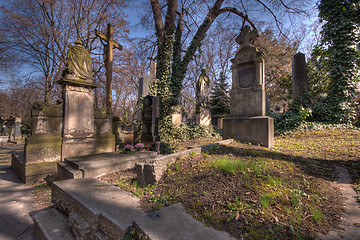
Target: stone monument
(17, 132)
(202, 112)
(79, 134)
(150, 117)
(300, 82)
(247, 121)
(143, 91)
(69, 128)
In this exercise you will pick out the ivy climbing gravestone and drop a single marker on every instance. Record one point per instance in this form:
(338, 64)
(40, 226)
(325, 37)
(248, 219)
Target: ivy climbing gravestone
(247, 121)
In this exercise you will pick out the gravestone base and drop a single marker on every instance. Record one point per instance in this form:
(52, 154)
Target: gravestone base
(203, 117)
(39, 158)
(256, 130)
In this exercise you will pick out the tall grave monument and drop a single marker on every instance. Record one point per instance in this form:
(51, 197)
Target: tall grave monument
(202, 111)
(300, 82)
(247, 121)
(66, 129)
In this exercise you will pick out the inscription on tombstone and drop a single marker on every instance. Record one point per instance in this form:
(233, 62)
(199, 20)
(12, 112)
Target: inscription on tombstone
(246, 75)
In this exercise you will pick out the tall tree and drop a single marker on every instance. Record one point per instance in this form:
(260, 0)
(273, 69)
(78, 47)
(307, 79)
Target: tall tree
(40, 30)
(176, 20)
(340, 39)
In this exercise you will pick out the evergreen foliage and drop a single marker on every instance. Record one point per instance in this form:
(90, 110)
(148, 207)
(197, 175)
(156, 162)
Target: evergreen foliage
(340, 37)
(219, 98)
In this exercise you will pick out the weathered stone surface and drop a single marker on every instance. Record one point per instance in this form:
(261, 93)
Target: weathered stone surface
(51, 224)
(173, 223)
(31, 173)
(43, 148)
(99, 164)
(151, 171)
(300, 82)
(150, 118)
(107, 209)
(46, 118)
(247, 121)
(176, 118)
(257, 130)
(247, 96)
(203, 117)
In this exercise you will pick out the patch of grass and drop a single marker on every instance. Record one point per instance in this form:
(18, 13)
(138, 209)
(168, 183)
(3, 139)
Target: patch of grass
(265, 200)
(228, 165)
(256, 193)
(317, 215)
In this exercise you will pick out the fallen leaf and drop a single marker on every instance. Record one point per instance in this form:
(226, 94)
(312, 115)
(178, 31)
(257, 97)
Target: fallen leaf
(248, 193)
(237, 216)
(276, 219)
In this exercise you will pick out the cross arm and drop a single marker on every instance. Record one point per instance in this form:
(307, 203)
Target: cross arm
(106, 38)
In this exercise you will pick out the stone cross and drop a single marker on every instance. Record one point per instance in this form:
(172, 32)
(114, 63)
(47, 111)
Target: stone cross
(247, 37)
(108, 59)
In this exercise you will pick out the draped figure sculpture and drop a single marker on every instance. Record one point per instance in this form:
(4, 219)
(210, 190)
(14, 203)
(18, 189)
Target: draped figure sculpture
(78, 63)
(202, 89)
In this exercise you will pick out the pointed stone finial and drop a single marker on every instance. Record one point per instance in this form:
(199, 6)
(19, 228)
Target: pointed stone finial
(247, 37)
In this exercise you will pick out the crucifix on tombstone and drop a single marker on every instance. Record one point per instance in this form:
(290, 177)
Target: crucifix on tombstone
(108, 38)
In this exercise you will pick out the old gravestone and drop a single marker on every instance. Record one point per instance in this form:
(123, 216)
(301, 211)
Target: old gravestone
(79, 123)
(69, 128)
(300, 82)
(143, 90)
(247, 121)
(150, 117)
(17, 131)
(202, 112)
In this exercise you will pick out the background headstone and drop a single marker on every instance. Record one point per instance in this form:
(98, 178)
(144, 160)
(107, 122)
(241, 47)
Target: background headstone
(150, 118)
(202, 112)
(300, 82)
(17, 133)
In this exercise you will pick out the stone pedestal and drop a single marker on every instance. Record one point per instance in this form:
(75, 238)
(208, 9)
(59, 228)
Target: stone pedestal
(256, 130)
(203, 117)
(84, 132)
(247, 121)
(42, 149)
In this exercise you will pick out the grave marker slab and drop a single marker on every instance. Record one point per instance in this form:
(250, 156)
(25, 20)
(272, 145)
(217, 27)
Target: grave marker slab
(300, 82)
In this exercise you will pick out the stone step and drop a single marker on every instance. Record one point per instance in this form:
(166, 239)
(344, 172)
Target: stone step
(173, 223)
(51, 224)
(96, 165)
(96, 209)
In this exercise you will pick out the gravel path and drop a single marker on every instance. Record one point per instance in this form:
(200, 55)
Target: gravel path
(350, 225)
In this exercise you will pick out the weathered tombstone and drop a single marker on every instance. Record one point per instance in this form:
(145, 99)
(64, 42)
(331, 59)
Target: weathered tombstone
(143, 90)
(300, 82)
(150, 118)
(79, 134)
(69, 128)
(4, 130)
(42, 150)
(247, 121)
(176, 118)
(17, 132)
(202, 112)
